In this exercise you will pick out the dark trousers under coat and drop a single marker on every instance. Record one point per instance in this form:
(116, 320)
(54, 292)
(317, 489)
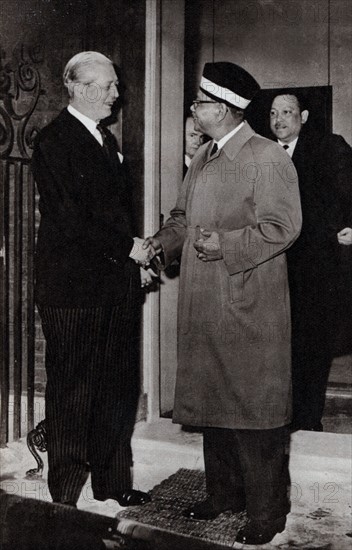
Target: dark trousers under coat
(249, 468)
(314, 326)
(91, 397)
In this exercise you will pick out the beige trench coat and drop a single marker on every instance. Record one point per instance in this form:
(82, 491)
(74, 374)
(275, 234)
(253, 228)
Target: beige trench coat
(234, 366)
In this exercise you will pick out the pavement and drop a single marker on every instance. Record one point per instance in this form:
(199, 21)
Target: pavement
(320, 469)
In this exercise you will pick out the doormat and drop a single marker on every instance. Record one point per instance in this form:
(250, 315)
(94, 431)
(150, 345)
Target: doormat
(171, 497)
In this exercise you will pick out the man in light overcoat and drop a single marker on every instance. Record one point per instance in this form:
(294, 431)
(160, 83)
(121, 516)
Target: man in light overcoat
(237, 213)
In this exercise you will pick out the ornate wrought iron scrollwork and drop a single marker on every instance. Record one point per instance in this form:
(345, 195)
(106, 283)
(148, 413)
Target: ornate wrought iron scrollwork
(36, 439)
(19, 94)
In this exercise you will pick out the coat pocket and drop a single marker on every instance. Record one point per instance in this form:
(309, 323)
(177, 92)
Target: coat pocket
(236, 284)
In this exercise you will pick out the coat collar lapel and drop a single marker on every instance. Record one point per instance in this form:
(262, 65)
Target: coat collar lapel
(233, 146)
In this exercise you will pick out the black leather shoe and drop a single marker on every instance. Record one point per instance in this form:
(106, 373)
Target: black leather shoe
(133, 498)
(206, 509)
(258, 533)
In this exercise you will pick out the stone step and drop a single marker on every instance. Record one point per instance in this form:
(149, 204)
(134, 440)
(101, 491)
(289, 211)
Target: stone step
(338, 409)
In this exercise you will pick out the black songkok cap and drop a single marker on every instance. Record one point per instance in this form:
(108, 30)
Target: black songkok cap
(228, 83)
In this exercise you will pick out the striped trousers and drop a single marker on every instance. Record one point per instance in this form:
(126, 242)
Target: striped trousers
(91, 396)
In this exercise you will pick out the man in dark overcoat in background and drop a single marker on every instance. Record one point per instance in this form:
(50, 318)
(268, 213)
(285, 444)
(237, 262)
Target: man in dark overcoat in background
(318, 262)
(237, 213)
(88, 291)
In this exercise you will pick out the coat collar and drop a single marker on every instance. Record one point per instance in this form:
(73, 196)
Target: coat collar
(233, 146)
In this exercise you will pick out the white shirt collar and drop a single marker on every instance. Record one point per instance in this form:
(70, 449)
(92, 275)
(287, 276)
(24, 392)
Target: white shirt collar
(90, 124)
(291, 146)
(228, 136)
(187, 161)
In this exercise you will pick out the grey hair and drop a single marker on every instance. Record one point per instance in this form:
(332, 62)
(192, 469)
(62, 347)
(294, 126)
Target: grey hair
(77, 66)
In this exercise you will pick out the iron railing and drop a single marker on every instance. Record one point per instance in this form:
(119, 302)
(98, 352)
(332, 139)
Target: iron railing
(19, 94)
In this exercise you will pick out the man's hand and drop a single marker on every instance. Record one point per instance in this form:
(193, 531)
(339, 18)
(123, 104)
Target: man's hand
(208, 246)
(148, 277)
(345, 236)
(141, 254)
(154, 245)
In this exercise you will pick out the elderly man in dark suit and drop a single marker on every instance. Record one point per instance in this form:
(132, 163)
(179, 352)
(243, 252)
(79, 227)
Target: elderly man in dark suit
(316, 261)
(88, 291)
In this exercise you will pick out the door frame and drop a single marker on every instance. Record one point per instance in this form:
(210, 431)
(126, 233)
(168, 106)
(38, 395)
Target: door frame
(163, 162)
(151, 321)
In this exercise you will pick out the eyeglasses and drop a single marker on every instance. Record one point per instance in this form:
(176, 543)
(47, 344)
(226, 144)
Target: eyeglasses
(197, 102)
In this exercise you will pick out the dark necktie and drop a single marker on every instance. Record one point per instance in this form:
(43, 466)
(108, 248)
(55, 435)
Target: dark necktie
(285, 147)
(214, 149)
(105, 141)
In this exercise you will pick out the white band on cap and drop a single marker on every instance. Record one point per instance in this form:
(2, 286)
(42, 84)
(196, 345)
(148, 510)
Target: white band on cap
(224, 93)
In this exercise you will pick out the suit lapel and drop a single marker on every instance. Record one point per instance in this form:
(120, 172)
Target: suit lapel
(298, 157)
(77, 133)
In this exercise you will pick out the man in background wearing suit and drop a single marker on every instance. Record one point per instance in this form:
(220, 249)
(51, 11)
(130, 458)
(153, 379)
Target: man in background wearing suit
(88, 291)
(315, 261)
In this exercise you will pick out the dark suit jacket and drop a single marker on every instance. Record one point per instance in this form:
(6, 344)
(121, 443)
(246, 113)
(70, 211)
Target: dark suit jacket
(324, 167)
(319, 268)
(85, 234)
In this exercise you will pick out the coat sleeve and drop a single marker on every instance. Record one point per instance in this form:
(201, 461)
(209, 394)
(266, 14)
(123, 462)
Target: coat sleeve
(74, 220)
(172, 234)
(278, 213)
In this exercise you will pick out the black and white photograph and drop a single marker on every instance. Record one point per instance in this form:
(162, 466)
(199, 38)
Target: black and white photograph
(175, 274)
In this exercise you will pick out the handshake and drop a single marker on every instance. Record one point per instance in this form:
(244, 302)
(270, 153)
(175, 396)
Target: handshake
(207, 247)
(144, 250)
